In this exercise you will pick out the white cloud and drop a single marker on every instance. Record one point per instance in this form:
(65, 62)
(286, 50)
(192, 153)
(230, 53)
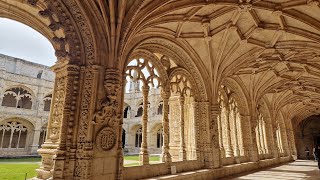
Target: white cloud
(21, 41)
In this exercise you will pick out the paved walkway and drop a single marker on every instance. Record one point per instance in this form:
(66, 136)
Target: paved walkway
(299, 169)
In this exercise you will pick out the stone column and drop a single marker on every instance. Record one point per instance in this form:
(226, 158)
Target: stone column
(53, 151)
(214, 133)
(222, 151)
(182, 152)
(166, 156)
(236, 150)
(275, 148)
(35, 142)
(253, 147)
(144, 154)
(229, 150)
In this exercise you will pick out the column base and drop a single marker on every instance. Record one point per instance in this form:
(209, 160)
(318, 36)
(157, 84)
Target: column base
(34, 149)
(229, 153)
(166, 157)
(144, 157)
(47, 153)
(182, 155)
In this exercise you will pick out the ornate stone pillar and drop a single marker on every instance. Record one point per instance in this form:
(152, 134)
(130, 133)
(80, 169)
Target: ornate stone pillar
(222, 151)
(182, 152)
(236, 150)
(214, 133)
(253, 146)
(229, 150)
(166, 156)
(54, 150)
(275, 148)
(144, 154)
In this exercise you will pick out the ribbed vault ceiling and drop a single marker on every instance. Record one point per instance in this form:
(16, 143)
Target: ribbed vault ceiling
(270, 47)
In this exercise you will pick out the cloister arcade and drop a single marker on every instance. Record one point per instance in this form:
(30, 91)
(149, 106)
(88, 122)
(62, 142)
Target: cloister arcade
(237, 80)
(24, 106)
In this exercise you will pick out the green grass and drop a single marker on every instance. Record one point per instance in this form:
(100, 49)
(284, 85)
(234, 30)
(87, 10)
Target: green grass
(21, 160)
(17, 171)
(136, 158)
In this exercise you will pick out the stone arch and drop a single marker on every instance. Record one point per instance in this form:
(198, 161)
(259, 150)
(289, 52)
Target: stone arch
(16, 133)
(154, 60)
(240, 94)
(181, 53)
(181, 71)
(18, 96)
(29, 124)
(47, 102)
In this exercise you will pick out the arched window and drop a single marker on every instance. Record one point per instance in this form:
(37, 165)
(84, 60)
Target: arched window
(43, 133)
(126, 112)
(160, 138)
(140, 110)
(13, 135)
(261, 135)
(18, 98)
(229, 125)
(138, 137)
(47, 102)
(160, 107)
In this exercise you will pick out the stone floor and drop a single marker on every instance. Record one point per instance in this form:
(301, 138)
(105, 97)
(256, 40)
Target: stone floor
(300, 169)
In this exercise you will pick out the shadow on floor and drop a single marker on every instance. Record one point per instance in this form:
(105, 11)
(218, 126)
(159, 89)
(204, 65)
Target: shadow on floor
(300, 169)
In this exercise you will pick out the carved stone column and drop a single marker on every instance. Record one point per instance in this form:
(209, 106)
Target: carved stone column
(253, 147)
(222, 151)
(182, 152)
(54, 150)
(144, 154)
(166, 156)
(275, 148)
(213, 126)
(229, 150)
(236, 150)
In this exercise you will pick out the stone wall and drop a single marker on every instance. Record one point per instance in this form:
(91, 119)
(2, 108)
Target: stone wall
(19, 76)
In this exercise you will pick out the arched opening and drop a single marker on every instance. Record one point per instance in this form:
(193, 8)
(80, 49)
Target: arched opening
(160, 108)
(160, 138)
(15, 136)
(17, 97)
(26, 54)
(47, 102)
(138, 139)
(230, 128)
(126, 112)
(307, 136)
(43, 134)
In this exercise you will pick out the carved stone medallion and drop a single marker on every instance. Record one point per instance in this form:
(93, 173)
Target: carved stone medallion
(106, 139)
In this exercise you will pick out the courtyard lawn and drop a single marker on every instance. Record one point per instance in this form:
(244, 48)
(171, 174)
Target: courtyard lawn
(17, 171)
(21, 160)
(136, 158)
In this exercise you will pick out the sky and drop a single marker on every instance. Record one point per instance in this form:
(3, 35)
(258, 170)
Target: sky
(21, 41)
